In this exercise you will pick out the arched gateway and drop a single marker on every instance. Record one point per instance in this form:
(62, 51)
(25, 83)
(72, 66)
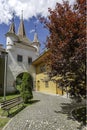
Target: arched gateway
(19, 80)
(21, 53)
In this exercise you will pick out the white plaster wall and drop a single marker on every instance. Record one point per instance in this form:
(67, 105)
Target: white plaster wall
(10, 40)
(15, 67)
(37, 46)
(10, 43)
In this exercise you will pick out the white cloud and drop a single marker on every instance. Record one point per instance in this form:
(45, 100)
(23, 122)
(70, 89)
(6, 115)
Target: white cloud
(32, 31)
(30, 7)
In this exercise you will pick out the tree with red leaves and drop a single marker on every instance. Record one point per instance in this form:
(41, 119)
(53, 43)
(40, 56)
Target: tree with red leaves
(67, 45)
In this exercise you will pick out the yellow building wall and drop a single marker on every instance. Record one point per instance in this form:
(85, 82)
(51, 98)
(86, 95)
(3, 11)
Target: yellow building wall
(52, 87)
(42, 79)
(59, 91)
(41, 84)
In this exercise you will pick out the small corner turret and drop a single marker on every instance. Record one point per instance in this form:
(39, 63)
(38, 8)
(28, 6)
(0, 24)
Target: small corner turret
(36, 43)
(11, 36)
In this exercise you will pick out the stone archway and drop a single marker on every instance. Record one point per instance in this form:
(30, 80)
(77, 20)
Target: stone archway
(19, 78)
(13, 72)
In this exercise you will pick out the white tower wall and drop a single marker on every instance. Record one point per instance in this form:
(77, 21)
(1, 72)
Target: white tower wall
(15, 67)
(20, 45)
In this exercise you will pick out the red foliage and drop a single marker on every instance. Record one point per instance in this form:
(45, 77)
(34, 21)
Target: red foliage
(67, 40)
(67, 27)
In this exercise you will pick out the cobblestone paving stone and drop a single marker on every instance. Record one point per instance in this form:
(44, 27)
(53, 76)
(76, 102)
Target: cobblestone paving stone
(42, 115)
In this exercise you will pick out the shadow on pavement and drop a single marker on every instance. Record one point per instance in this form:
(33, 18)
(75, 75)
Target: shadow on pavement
(33, 101)
(68, 108)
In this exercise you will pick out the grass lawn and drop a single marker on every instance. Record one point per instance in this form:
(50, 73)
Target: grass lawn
(9, 97)
(3, 114)
(3, 122)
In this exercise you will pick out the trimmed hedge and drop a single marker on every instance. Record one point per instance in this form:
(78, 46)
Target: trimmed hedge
(26, 87)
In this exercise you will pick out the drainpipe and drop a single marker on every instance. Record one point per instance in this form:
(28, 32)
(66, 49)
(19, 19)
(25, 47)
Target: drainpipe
(5, 75)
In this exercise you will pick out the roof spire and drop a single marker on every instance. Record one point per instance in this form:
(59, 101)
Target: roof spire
(12, 26)
(35, 38)
(21, 30)
(35, 35)
(35, 28)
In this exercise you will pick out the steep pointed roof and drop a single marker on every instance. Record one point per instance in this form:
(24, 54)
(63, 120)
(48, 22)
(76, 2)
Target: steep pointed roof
(12, 26)
(35, 37)
(21, 30)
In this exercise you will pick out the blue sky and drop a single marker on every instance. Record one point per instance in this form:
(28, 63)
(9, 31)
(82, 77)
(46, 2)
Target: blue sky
(29, 28)
(31, 9)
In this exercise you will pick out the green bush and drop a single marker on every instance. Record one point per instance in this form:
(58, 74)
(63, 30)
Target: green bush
(26, 87)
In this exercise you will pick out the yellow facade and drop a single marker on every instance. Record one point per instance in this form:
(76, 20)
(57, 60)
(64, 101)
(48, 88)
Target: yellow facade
(43, 82)
(45, 86)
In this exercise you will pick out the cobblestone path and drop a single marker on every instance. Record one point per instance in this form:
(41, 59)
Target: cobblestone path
(46, 114)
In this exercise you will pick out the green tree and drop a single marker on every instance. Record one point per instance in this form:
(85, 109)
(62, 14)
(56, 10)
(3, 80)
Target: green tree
(26, 87)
